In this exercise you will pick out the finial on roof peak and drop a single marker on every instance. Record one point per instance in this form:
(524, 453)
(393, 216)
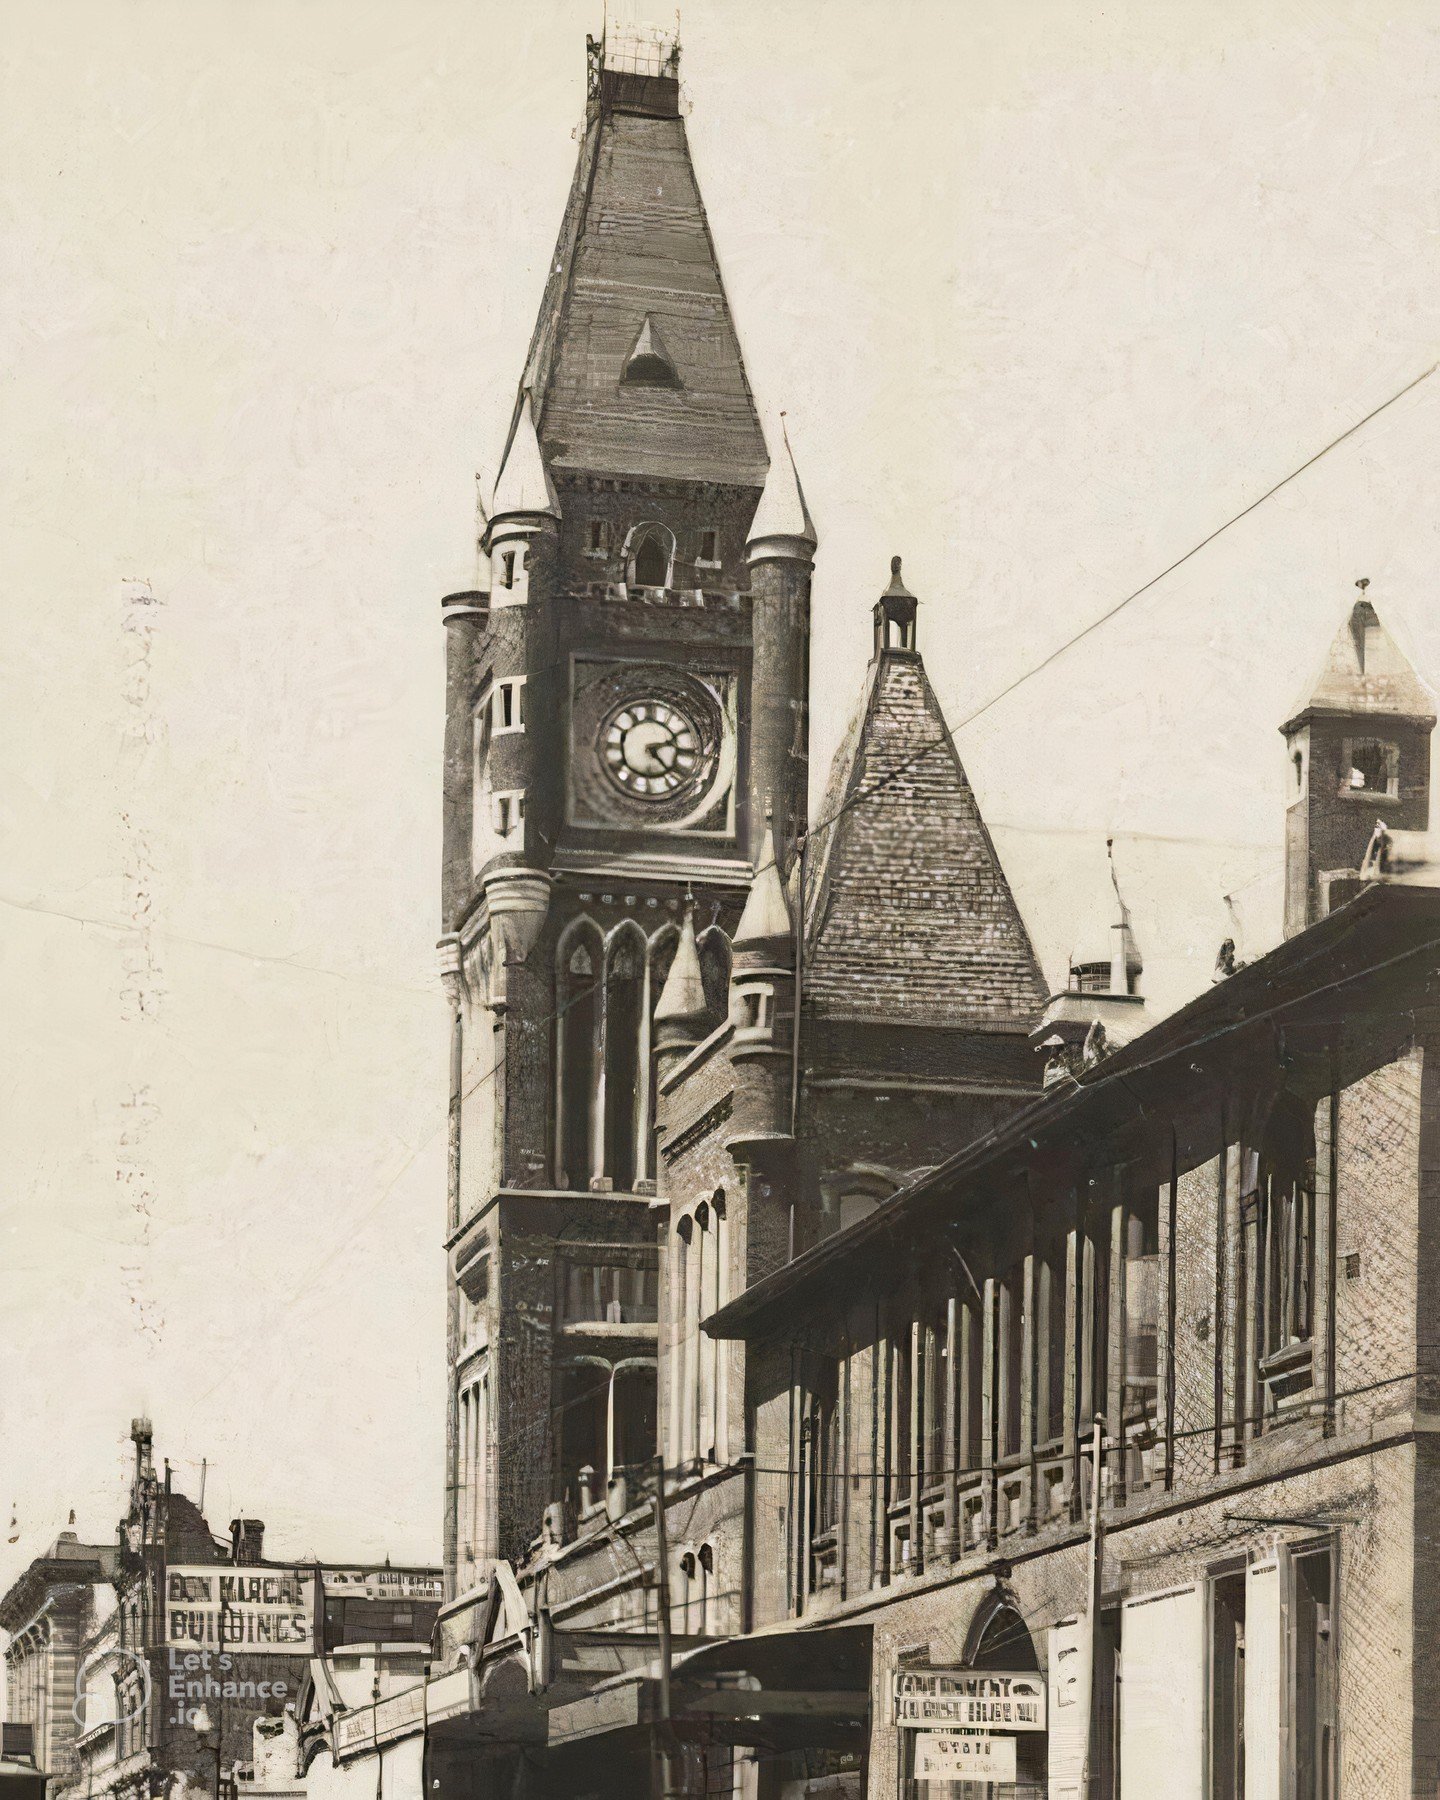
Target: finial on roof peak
(895, 614)
(897, 585)
(1363, 583)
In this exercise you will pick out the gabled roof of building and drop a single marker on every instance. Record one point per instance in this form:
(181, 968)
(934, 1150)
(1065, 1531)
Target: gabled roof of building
(635, 250)
(1366, 672)
(909, 917)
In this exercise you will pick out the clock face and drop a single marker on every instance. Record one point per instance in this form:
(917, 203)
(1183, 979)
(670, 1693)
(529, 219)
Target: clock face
(651, 749)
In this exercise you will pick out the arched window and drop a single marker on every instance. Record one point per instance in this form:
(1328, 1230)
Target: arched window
(1283, 1181)
(581, 1405)
(606, 992)
(632, 1416)
(578, 1141)
(624, 972)
(650, 556)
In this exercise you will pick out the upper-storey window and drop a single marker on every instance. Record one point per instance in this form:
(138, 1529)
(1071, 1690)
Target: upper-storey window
(597, 537)
(1370, 766)
(1280, 1208)
(650, 556)
(621, 1291)
(709, 556)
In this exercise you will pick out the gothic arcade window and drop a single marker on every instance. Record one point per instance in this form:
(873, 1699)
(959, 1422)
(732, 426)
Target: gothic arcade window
(607, 988)
(623, 999)
(578, 1002)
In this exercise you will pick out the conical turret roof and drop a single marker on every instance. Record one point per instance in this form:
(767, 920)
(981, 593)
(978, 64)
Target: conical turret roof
(766, 930)
(523, 484)
(681, 1011)
(782, 512)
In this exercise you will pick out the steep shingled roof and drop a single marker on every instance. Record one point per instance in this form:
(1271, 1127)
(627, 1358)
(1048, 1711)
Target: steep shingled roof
(909, 917)
(635, 246)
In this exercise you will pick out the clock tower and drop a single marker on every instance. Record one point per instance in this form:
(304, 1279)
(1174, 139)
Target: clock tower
(625, 704)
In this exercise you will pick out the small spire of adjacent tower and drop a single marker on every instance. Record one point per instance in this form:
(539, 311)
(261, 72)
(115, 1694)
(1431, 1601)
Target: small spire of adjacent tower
(895, 614)
(523, 484)
(782, 525)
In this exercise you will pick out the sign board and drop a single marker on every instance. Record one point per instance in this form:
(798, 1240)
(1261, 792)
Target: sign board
(383, 1584)
(970, 1756)
(969, 1700)
(258, 1611)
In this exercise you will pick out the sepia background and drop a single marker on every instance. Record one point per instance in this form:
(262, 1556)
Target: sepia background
(1049, 292)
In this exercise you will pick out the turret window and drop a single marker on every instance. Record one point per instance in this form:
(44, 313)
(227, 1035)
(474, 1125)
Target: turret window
(507, 569)
(508, 701)
(509, 811)
(1370, 766)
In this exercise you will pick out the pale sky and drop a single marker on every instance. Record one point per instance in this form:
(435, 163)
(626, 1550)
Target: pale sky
(1049, 293)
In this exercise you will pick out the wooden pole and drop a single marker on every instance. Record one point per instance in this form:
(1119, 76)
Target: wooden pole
(1095, 1588)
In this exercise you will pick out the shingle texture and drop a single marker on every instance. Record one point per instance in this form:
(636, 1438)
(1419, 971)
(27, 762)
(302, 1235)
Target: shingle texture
(635, 244)
(910, 917)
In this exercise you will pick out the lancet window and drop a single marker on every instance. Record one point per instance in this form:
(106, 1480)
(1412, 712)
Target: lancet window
(607, 986)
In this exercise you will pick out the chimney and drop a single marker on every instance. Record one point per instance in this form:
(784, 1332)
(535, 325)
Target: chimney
(247, 1540)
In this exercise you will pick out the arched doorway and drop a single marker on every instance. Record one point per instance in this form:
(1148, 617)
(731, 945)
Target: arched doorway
(1000, 1641)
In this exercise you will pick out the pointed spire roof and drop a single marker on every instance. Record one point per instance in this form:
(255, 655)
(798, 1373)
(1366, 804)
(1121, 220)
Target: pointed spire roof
(766, 929)
(1366, 673)
(523, 484)
(782, 512)
(909, 917)
(681, 1013)
(635, 250)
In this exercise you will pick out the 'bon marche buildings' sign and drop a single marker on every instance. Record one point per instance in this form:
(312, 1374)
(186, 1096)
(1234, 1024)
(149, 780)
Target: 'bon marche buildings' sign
(215, 1607)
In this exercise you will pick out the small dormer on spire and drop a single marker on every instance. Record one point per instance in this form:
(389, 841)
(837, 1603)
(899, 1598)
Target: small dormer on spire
(523, 485)
(782, 525)
(649, 362)
(895, 615)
